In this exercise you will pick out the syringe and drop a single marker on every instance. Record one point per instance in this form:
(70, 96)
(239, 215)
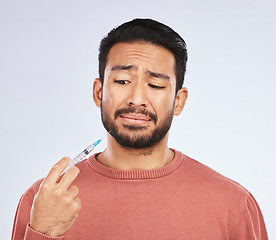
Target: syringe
(85, 152)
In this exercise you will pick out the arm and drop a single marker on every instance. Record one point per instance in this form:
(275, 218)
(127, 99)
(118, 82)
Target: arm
(22, 217)
(251, 224)
(21, 229)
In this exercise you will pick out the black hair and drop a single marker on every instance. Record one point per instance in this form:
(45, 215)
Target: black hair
(146, 30)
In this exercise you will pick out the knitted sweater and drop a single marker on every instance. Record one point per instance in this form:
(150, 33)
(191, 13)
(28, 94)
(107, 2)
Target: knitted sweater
(182, 200)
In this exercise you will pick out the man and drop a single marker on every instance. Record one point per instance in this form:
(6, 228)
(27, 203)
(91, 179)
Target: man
(138, 188)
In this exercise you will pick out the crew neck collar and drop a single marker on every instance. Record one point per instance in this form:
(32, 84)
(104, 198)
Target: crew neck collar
(136, 174)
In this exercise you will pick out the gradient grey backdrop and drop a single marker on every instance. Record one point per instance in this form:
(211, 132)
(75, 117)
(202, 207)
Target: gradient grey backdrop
(48, 60)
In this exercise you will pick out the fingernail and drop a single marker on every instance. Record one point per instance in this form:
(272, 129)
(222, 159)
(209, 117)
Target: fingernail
(67, 158)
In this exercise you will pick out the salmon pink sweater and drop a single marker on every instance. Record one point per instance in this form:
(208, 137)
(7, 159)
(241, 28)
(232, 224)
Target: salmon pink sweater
(182, 200)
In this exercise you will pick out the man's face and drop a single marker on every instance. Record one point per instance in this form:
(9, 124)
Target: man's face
(138, 94)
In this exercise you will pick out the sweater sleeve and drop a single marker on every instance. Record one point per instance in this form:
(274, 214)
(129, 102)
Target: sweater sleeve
(251, 224)
(21, 228)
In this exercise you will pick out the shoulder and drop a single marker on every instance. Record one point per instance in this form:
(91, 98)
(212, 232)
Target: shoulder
(222, 199)
(33, 189)
(225, 197)
(205, 177)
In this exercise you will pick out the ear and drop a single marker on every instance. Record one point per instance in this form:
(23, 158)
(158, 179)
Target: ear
(180, 100)
(97, 92)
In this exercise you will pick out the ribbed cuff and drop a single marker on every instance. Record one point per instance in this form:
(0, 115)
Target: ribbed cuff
(31, 234)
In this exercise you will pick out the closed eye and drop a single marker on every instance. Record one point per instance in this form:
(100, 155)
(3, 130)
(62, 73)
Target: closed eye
(155, 86)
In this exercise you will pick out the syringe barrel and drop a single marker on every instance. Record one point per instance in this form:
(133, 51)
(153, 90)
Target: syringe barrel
(81, 156)
(85, 152)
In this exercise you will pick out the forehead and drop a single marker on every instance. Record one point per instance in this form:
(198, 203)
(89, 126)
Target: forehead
(141, 54)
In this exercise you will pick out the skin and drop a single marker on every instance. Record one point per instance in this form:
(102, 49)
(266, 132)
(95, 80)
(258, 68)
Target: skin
(140, 75)
(148, 84)
(56, 205)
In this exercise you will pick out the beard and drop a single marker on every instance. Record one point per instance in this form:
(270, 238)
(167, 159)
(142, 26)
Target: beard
(135, 138)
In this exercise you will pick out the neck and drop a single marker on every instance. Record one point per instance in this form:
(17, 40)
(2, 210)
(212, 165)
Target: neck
(118, 157)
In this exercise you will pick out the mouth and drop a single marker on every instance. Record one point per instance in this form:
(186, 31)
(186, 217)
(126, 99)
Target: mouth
(135, 118)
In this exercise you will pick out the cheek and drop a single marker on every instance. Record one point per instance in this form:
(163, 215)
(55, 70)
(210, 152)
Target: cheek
(106, 100)
(163, 105)
(111, 99)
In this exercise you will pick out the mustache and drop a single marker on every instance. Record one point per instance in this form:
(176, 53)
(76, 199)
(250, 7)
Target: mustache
(134, 110)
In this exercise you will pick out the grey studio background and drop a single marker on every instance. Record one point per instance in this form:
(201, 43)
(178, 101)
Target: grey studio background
(48, 61)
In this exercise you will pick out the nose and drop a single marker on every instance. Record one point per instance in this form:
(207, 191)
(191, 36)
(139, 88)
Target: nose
(138, 96)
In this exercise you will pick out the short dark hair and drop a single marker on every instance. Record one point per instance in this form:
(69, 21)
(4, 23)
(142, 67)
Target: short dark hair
(151, 31)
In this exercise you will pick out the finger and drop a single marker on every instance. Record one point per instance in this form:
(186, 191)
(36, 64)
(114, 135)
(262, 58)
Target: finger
(76, 206)
(73, 192)
(57, 169)
(78, 203)
(69, 177)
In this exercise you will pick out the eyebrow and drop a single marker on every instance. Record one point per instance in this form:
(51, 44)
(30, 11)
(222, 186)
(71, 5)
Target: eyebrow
(123, 67)
(133, 67)
(158, 75)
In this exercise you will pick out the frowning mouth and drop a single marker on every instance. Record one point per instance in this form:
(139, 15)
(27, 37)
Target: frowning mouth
(136, 116)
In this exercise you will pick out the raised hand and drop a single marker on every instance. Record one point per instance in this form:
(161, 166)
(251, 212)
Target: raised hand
(56, 206)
